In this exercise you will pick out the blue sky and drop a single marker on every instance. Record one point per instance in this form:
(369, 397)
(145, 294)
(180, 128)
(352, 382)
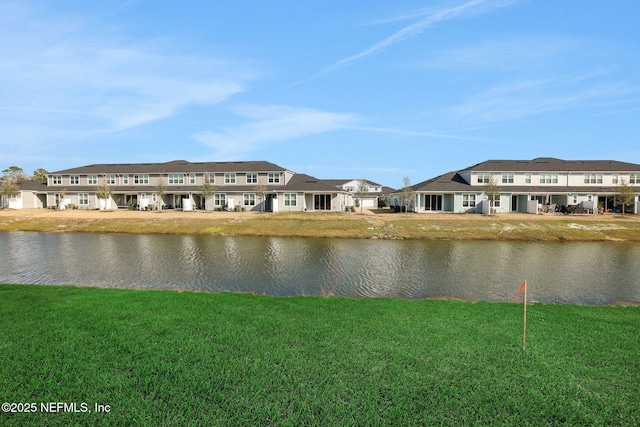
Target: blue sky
(336, 89)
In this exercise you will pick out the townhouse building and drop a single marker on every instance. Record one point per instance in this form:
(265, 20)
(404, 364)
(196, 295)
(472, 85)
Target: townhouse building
(541, 184)
(179, 184)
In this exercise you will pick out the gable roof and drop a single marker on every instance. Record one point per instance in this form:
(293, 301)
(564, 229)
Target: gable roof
(175, 166)
(303, 182)
(451, 181)
(550, 164)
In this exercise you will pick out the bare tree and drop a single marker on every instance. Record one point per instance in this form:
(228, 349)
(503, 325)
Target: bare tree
(207, 190)
(624, 195)
(362, 192)
(261, 191)
(407, 193)
(104, 192)
(161, 190)
(492, 190)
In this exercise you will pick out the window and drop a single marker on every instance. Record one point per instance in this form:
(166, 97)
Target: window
(614, 179)
(290, 199)
(634, 178)
(469, 200)
(111, 179)
(141, 179)
(592, 178)
(210, 178)
(74, 179)
(249, 199)
(548, 178)
(125, 179)
(57, 179)
(507, 178)
(483, 178)
(83, 199)
(274, 178)
(192, 178)
(527, 178)
(229, 178)
(495, 201)
(252, 178)
(176, 178)
(219, 200)
(92, 179)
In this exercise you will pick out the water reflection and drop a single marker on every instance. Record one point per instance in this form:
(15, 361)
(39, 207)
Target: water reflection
(588, 273)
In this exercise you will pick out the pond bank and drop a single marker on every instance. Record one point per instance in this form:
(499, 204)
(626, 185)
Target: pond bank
(381, 224)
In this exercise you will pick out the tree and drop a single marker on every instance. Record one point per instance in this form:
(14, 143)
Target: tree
(261, 191)
(39, 175)
(624, 195)
(104, 192)
(8, 189)
(14, 173)
(407, 192)
(161, 190)
(362, 192)
(207, 190)
(492, 190)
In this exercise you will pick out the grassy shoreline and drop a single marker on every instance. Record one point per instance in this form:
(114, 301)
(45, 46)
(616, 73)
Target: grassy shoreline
(172, 358)
(337, 225)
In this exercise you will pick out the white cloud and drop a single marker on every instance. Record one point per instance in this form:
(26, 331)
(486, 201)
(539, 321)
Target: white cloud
(426, 18)
(517, 53)
(267, 125)
(528, 97)
(66, 75)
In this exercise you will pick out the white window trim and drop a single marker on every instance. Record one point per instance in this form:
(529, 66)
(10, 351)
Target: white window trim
(274, 178)
(247, 197)
(484, 178)
(507, 178)
(467, 200)
(289, 198)
(175, 178)
(219, 199)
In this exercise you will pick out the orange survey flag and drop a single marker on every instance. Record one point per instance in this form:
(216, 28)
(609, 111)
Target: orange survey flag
(520, 291)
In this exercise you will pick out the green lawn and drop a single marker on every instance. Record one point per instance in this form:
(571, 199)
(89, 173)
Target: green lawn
(165, 358)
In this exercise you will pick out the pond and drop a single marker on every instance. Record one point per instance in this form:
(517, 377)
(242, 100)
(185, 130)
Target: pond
(577, 273)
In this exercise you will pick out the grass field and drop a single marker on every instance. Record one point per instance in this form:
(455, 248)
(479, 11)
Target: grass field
(165, 358)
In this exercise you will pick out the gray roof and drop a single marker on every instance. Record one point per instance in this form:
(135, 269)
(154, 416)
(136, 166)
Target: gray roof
(175, 166)
(451, 181)
(32, 185)
(550, 164)
(307, 183)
